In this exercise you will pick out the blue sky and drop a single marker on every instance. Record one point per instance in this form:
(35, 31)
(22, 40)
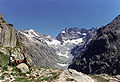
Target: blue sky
(51, 16)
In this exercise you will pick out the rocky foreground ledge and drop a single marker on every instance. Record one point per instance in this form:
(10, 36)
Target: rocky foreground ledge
(22, 73)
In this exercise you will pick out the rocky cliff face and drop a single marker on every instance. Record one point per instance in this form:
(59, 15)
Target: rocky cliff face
(7, 34)
(102, 54)
(79, 48)
(71, 33)
(10, 42)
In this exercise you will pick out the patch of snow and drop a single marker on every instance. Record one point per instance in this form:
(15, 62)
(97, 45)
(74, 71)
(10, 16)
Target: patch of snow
(74, 41)
(48, 36)
(33, 33)
(63, 65)
(53, 42)
(30, 33)
(84, 34)
(63, 32)
(64, 55)
(72, 31)
(78, 32)
(31, 30)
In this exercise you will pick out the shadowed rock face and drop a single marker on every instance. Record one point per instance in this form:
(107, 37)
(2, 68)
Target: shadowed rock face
(71, 33)
(102, 54)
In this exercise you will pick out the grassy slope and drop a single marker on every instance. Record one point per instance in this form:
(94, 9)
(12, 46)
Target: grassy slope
(4, 60)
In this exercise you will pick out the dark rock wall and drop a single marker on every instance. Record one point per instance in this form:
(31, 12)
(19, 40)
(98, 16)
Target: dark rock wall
(102, 54)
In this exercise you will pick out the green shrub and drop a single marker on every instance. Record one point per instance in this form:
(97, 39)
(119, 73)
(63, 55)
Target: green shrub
(3, 75)
(5, 68)
(69, 79)
(16, 69)
(21, 79)
(54, 75)
(4, 60)
(18, 72)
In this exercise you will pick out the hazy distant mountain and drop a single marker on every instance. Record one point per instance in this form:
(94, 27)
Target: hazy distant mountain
(102, 54)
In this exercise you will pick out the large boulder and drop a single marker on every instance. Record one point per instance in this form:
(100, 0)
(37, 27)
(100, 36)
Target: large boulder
(23, 67)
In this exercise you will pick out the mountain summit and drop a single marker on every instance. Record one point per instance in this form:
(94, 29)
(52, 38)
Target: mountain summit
(71, 33)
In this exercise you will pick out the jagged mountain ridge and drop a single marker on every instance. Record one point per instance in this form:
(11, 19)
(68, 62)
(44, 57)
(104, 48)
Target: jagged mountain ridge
(40, 53)
(71, 33)
(60, 51)
(102, 54)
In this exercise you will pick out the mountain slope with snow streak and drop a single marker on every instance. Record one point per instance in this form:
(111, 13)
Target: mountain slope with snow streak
(62, 45)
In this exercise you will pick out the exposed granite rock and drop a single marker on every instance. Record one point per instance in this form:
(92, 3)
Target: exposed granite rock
(7, 34)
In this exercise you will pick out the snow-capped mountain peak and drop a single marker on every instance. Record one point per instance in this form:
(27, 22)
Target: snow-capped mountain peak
(63, 44)
(30, 33)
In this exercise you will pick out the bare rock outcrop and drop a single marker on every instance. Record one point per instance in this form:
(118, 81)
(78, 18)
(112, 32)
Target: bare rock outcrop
(73, 76)
(10, 42)
(7, 34)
